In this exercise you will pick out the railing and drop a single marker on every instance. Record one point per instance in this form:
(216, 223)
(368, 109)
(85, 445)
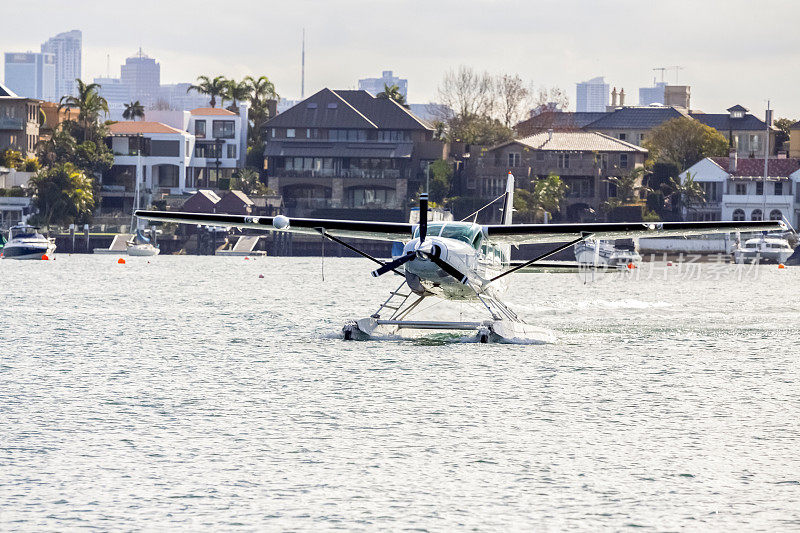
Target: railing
(330, 173)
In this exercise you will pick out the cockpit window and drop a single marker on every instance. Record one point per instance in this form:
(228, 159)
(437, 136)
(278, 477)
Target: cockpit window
(462, 231)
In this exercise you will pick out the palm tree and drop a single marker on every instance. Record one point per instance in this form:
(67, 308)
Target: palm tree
(133, 110)
(262, 90)
(393, 93)
(212, 88)
(236, 91)
(89, 104)
(629, 188)
(683, 195)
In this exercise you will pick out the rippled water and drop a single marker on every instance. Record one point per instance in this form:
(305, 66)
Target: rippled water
(188, 393)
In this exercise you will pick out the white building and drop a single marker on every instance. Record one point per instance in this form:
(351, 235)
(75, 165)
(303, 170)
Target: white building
(31, 74)
(736, 190)
(376, 85)
(592, 95)
(173, 152)
(67, 48)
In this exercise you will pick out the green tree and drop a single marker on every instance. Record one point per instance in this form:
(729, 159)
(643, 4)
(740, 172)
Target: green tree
(211, 87)
(62, 194)
(236, 91)
(630, 189)
(392, 92)
(261, 92)
(683, 142)
(249, 182)
(680, 195)
(11, 158)
(784, 126)
(476, 129)
(441, 173)
(89, 105)
(133, 111)
(546, 196)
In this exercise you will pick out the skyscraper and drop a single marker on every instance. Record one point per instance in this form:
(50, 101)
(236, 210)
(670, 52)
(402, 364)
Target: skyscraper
(143, 75)
(592, 95)
(31, 74)
(387, 79)
(67, 49)
(652, 95)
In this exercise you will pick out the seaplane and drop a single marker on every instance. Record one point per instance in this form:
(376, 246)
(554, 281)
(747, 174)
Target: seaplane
(456, 261)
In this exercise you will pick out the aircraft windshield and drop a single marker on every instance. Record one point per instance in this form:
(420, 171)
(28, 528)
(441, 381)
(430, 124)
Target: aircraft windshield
(462, 231)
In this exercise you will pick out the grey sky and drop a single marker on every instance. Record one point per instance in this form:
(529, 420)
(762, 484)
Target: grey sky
(732, 51)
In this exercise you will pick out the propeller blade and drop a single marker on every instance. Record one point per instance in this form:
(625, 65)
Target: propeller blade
(423, 217)
(400, 261)
(448, 268)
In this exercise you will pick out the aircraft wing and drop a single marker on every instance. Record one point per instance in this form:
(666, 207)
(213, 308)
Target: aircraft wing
(383, 231)
(543, 233)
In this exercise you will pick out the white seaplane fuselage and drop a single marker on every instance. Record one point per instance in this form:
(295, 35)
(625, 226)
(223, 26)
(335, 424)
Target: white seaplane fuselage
(462, 245)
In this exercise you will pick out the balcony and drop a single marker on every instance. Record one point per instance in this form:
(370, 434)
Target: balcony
(330, 173)
(756, 200)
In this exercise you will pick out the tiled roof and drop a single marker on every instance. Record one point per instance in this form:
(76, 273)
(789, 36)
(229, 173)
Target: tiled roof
(347, 109)
(746, 167)
(795, 126)
(737, 107)
(635, 118)
(211, 111)
(135, 128)
(577, 141)
(240, 195)
(723, 122)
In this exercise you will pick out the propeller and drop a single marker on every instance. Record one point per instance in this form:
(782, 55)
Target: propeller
(432, 255)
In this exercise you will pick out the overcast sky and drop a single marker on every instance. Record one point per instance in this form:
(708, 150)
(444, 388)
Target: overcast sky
(732, 51)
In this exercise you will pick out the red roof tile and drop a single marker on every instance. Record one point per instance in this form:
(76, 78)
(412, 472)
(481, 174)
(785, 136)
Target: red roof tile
(211, 111)
(755, 167)
(135, 128)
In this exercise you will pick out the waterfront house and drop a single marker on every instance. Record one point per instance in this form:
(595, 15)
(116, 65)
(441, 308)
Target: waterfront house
(19, 123)
(735, 189)
(348, 154)
(583, 160)
(746, 133)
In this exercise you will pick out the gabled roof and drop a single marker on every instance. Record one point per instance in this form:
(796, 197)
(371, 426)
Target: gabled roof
(559, 120)
(636, 118)
(239, 195)
(746, 167)
(723, 122)
(575, 141)
(383, 112)
(140, 128)
(346, 109)
(795, 126)
(6, 92)
(211, 111)
(737, 107)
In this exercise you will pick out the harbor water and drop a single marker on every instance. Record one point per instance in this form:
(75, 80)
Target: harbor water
(188, 393)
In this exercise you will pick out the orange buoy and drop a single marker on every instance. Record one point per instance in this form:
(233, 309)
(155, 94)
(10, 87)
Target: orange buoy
(44, 257)
(781, 265)
(121, 261)
(246, 258)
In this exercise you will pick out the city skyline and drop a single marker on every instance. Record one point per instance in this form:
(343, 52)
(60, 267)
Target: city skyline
(340, 50)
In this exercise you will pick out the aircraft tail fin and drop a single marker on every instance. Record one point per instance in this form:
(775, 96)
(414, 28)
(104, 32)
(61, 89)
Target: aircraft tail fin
(508, 201)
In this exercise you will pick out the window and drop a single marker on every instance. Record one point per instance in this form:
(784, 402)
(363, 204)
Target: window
(641, 138)
(332, 105)
(209, 151)
(741, 190)
(759, 189)
(164, 148)
(231, 151)
(755, 143)
(312, 133)
(563, 160)
(775, 214)
(394, 135)
(273, 133)
(623, 160)
(711, 190)
(756, 214)
(200, 129)
(623, 136)
(513, 160)
(290, 133)
(778, 188)
(311, 105)
(738, 215)
(224, 129)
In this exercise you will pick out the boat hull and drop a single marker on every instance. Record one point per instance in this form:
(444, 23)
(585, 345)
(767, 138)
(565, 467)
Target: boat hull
(28, 251)
(143, 250)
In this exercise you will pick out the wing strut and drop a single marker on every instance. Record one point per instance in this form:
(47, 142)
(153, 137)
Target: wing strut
(584, 235)
(354, 249)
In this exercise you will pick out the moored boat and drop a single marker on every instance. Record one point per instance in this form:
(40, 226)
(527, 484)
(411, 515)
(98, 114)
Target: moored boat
(25, 242)
(763, 249)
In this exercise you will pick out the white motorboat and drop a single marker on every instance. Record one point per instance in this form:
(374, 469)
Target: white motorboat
(25, 242)
(604, 253)
(763, 249)
(140, 246)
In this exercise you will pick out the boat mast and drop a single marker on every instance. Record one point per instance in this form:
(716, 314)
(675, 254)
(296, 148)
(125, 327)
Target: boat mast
(766, 165)
(136, 177)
